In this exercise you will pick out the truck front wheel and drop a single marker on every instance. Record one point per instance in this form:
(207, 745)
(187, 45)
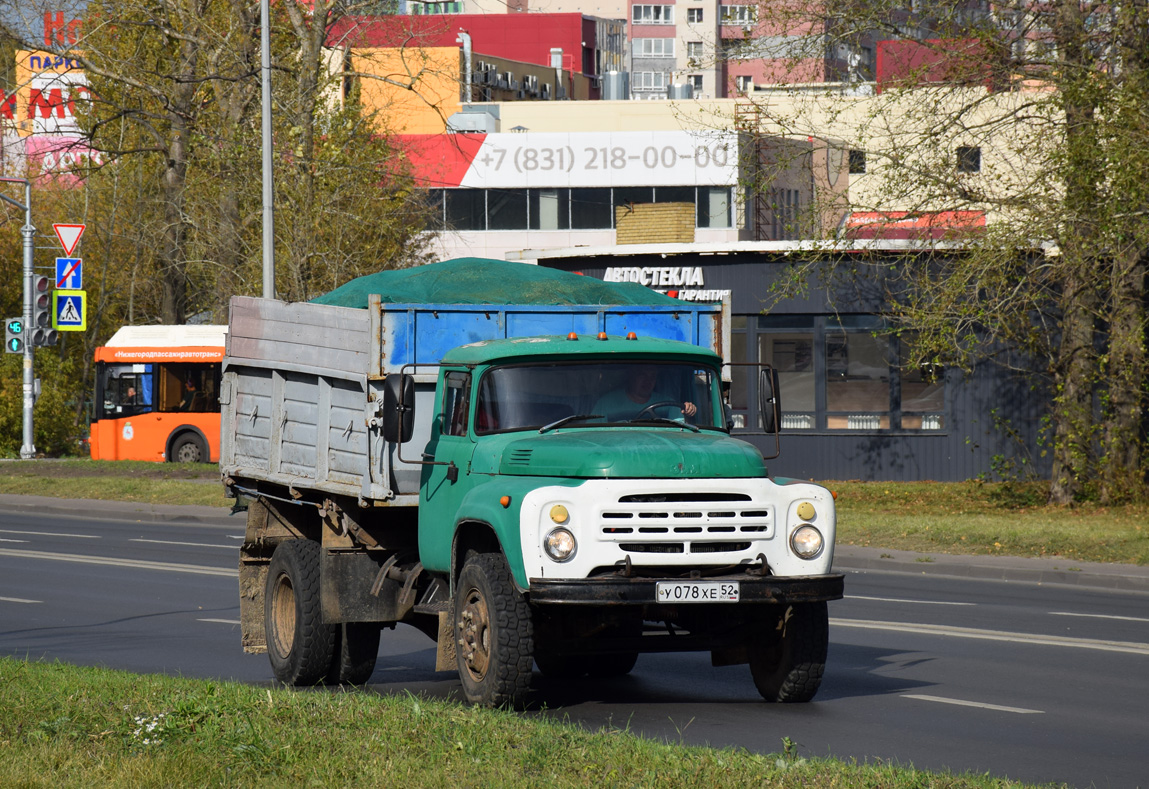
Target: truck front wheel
(787, 664)
(299, 645)
(493, 633)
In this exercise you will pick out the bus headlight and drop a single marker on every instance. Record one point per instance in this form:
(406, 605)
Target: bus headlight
(806, 542)
(560, 545)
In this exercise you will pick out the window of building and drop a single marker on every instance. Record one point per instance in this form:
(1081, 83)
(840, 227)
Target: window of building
(857, 375)
(743, 84)
(694, 16)
(713, 206)
(739, 14)
(424, 9)
(652, 14)
(506, 209)
(466, 209)
(591, 209)
(836, 373)
(857, 162)
(694, 51)
(969, 159)
(653, 47)
(650, 80)
(695, 81)
(549, 209)
(435, 216)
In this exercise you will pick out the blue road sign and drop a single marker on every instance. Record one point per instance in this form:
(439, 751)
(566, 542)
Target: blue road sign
(69, 273)
(71, 313)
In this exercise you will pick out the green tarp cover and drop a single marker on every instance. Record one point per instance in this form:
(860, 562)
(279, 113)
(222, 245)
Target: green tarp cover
(483, 281)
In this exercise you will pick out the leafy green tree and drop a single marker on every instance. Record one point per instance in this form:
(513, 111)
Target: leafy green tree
(1051, 98)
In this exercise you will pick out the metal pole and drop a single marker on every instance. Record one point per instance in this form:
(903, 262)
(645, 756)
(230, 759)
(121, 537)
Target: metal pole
(268, 199)
(28, 448)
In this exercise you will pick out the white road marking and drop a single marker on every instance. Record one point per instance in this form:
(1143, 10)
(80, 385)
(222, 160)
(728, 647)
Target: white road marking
(18, 600)
(1101, 616)
(113, 562)
(979, 704)
(996, 635)
(52, 534)
(192, 544)
(899, 600)
(221, 621)
(19, 541)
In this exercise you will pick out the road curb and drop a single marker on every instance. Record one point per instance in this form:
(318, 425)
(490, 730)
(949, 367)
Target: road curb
(847, 558)
(1055, 570)
(124, 510)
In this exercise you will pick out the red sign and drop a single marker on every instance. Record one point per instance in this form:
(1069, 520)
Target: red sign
(69, 236)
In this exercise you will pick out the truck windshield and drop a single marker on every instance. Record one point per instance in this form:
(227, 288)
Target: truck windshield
(522, 397)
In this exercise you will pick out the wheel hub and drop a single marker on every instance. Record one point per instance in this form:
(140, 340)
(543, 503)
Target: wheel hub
(475, 635)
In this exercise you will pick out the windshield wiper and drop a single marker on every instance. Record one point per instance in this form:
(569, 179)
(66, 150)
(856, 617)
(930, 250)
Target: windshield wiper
(572, 418)
(668, 421)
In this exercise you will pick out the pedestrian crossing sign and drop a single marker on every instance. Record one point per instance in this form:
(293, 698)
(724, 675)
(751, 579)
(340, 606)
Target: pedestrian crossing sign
(69, 310)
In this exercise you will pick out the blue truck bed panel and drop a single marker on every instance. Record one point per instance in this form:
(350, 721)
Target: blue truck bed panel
(423, 333)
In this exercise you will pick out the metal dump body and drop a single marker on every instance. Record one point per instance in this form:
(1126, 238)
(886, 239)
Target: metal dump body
(302, 382)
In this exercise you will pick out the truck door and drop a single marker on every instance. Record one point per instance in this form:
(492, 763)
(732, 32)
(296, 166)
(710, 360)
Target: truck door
(446, 479)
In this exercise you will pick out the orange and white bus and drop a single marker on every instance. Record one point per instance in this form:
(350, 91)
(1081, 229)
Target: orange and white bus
(157, 394)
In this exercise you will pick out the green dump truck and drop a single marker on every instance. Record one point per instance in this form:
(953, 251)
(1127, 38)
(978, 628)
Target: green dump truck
(545, 483)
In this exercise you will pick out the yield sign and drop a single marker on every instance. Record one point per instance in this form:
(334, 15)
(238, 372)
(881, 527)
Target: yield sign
(69, 236)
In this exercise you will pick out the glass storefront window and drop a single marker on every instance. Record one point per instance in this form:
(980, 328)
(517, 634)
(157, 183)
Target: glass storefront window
(792, 355)
(857, 381)
(466, 209)
(923, 394)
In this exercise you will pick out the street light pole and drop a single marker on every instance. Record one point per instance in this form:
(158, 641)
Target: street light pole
(28, 447)
(268, 199)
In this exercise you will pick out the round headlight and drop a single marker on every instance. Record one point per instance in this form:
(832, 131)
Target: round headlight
(560, 545)
(806, 542)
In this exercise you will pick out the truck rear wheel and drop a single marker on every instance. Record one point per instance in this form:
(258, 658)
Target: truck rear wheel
(493, 633)
(616, 664)
(299, 645)
(355, 652)
(788, 666)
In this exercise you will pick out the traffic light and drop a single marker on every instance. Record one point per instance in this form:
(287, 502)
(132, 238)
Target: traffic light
(42, 331)
(14, 335)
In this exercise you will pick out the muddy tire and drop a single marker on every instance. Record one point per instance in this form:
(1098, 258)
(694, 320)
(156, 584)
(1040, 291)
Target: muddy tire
(354, 654)
(189, 448)
(299, 645)
(788, 666)
(493, 633)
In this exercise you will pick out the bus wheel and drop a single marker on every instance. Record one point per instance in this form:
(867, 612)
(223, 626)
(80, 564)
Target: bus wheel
(189, 448)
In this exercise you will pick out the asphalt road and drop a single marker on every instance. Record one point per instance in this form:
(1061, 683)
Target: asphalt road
(959, 664)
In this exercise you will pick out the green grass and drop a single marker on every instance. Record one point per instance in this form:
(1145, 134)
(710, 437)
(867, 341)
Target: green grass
(951, 517)
(78, 727)
(987, 518)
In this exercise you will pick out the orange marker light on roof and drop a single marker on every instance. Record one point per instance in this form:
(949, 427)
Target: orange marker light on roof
(572, 336)
(631, 336)
(602, 335)
(505, 501)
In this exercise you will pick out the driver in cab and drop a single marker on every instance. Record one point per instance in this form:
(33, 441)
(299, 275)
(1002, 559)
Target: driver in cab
(641, 399)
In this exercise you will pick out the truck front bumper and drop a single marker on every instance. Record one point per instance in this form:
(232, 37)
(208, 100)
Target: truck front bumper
(616, 590)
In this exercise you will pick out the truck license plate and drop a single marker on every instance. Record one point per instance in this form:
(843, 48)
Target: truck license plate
(697, 591)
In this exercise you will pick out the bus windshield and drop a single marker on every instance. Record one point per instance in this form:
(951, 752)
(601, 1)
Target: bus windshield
(625, 392)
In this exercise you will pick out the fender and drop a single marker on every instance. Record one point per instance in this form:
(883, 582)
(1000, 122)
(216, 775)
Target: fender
(482, 504)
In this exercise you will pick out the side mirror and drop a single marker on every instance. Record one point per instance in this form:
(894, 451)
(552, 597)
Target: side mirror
(769, 407)
(398, 408)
